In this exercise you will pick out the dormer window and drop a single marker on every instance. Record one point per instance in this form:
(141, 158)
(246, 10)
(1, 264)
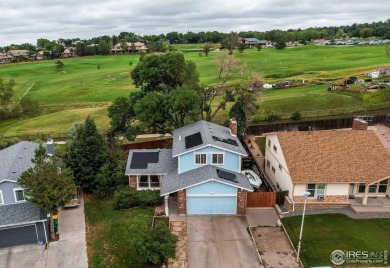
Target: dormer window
(19, 195)
(200, 159)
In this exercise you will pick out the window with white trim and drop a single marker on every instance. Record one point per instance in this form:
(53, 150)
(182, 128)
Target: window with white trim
(269, 143)
(268, 163)
(200, 159)
(19, 195)
(275, 149)
(217, 159)
(316, 190)
(1, 198)
(273, 169)
(148, 182)
(280, 167)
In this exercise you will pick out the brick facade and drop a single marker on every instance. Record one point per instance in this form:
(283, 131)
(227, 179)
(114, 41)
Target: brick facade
(337, 201)
(133, 182)
(241, 201)
(182, 202)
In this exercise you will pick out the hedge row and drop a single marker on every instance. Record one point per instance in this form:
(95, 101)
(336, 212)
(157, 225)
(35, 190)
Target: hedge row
(126, 198)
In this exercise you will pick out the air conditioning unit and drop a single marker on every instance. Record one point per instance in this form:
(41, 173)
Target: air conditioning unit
(320, 197)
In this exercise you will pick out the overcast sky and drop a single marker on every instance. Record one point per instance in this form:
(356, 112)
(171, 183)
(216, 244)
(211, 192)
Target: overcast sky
(24, 21)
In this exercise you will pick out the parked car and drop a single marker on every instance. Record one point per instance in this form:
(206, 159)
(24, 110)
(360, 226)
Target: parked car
(373, 87)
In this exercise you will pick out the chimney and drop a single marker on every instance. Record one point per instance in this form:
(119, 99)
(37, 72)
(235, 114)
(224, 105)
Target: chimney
(359, 124)
(233, 126)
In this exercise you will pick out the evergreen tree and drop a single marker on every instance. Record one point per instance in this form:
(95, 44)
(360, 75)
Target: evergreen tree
(86, 153)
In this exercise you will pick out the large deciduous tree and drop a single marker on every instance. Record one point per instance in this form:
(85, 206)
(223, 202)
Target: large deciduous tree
(164, 72)
(228, 68)
(45, 186)
(231, 42)
(86, 153)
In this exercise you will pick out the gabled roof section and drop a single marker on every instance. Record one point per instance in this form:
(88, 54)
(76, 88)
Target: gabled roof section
(16, 159)
(209, 134)
(150, 162)
(174, 182)
(19, 213)
(345, 156)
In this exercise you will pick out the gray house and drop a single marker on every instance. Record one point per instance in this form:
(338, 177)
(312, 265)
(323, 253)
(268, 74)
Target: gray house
(20, 221)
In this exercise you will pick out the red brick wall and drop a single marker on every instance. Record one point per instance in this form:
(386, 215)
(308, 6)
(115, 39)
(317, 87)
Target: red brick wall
(241, 201)
(182, 202)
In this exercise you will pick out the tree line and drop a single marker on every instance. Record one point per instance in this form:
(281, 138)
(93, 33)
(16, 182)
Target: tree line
(101, 45)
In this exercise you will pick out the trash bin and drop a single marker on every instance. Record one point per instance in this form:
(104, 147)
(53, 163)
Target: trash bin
(55, 222)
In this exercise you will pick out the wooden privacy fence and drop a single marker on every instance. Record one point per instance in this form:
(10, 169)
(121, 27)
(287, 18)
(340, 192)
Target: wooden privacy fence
(154, 144)
(265, 199)
(261, 199)
(387, 121)
(321, 124)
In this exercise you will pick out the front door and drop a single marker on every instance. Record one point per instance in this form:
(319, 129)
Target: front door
(352, 190)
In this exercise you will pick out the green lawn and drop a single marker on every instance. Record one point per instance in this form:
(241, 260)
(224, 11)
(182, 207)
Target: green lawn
(110, 233)
(82, 86)
(323, 234)
(261, 143)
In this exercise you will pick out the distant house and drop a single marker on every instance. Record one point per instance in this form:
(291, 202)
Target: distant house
(5, 58)
(69, 52)
(253, 42)
(333, 166)
(201, 173)
(37, 56)
(138, 47)
(21, 222)
(18, 53)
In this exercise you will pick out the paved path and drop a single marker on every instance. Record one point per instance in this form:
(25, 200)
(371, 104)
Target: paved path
(261, 217)
(68, 252)
(220, 242)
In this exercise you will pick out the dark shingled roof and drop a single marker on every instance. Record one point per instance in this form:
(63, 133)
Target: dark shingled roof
(20, 213)
(164, 165)
(174, 182)
(207, 130)
(16, 159)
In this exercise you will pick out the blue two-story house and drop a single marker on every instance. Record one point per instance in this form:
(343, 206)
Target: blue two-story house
(201, 171)
(20, 221)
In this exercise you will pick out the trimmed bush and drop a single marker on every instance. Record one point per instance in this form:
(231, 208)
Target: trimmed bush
(126, 197)
(296, 115)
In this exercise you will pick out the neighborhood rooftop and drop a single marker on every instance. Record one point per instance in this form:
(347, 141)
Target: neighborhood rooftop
(174, 182)
(203, 133)
(16, 159)
(151, 161)
(334, 156)
(19, 213)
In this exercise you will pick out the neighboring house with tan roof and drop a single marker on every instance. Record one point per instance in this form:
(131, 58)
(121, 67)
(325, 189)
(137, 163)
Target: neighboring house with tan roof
(4, 58)
(18, 53)
(138, 47)
(333, 166)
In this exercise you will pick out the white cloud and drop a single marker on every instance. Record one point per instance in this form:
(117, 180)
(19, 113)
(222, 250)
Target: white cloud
(26, 21)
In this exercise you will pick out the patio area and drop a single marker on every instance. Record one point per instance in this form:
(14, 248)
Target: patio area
(374, 204)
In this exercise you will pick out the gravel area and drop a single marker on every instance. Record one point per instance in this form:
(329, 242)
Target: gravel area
(274, 247)
(347, 211)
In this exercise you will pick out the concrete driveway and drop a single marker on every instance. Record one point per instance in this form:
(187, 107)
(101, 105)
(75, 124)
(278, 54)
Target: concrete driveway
(69, 251)
(220, 241)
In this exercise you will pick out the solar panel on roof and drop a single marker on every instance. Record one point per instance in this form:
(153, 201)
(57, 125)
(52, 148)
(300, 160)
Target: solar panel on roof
(227, 141)
(226, 175)
(140, 160)
(193, 140)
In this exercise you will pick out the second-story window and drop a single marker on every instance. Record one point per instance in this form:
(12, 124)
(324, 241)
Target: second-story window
(218, 159)
(200, 159)
(19, 195)
(275, 149)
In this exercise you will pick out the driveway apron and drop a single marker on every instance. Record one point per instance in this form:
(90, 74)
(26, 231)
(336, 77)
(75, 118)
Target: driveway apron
(220, 241)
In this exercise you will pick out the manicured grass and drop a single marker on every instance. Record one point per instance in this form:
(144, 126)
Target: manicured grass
(110, 233)
(261, 143)
(323, 234)
(81, 85)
